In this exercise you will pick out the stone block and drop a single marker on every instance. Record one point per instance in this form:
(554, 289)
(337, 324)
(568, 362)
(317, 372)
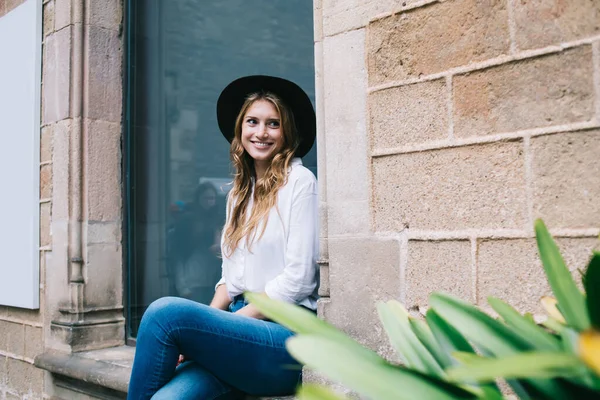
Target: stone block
(324, 280)
(65, 14)
(56, 76)
(408, 115)
(469, 187)
(362, 273)
(34, 344)
(103, 232)
(45, 221)
(61, 156)
(46, 144)
(348, 217)
(104, 170)
(103, 276)
(540, 23)
(48, 12)
(566, 179)
(511, 270)
(24, 314)
(343, 15)
(12, 338)
(46, 181)
(435, 38)
(106, 14)
(2, 7)
(12, 4)
(441, 266)
(104, 92)
(551, 90)
(345, 105)
(25, 378)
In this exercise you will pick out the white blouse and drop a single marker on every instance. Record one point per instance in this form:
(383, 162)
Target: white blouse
(283, 263)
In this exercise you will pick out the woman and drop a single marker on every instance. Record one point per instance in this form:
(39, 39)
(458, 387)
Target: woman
(195, 246)
(269, 245)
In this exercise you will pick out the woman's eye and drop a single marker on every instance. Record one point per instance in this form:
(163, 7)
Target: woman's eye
(274, 124)
(251, 121)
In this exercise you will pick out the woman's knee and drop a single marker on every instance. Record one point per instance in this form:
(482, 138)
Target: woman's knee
(165, 307)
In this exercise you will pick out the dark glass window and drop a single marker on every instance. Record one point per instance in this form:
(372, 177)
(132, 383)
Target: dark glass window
(180, 55)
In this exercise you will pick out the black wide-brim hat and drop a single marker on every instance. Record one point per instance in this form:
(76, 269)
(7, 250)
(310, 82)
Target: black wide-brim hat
(232, 99)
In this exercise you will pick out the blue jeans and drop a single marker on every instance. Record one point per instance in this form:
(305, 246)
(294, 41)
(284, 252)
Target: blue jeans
(228, 355)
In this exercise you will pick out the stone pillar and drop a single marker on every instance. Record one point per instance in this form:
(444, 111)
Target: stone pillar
(82, 106)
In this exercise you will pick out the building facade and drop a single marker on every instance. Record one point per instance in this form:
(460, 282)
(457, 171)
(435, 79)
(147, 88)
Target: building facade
(445, 128)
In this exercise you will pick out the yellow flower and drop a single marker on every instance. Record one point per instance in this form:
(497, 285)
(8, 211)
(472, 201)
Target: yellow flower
(589, 349)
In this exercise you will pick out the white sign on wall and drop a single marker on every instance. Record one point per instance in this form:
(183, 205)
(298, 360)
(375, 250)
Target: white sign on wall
(20, 81)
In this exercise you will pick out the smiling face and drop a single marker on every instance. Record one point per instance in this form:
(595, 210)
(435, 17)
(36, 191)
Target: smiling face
(262, 135)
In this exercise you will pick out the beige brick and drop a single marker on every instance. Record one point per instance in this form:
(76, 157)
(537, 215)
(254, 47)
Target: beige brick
(551, 90)
(542, 23)
(12, 337)
(104, 91)
(104, 171)
(24, 314)
(408, 114)
(46, 144)
(443, 266)
(12, 4)
(48, 18)
(45, 221)
(106, 14)
(56, 76)
(345, 106)
(25, 378)
(103, 275)
(566, 179)
(33, 341)
(343, 15)
(2, 11)
(61, 156)
(459, 188)
(511, 270)
(324, 280)
(362, 272)
(63, 15)
(435, 38)
(46, 181)
(348, 217)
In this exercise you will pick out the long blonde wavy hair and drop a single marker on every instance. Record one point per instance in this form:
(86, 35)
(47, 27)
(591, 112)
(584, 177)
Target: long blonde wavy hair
(240, 226)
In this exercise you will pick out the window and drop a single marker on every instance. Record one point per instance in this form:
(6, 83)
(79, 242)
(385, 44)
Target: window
(180, 56)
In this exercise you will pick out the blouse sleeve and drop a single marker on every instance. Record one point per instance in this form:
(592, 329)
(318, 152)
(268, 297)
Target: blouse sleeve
(298, 279)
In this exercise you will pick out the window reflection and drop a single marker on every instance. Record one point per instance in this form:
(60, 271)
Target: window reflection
(181, 54)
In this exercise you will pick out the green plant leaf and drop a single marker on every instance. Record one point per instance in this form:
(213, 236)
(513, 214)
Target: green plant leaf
(525, 328)
(301, 321)
(379, 381)
(592, 289)
(394, 319)
(316, 392)
(571, 301)
(490, 336)
(423, 333)
(449, 339)
(518, 366)
(477, 326)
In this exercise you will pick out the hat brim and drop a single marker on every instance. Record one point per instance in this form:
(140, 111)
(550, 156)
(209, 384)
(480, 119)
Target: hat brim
(232, 99)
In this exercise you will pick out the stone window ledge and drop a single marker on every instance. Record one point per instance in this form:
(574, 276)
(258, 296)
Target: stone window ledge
(100, 373)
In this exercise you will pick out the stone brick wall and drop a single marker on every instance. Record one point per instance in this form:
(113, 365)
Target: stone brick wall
(80, 183)
(449, 127)
(21, 332)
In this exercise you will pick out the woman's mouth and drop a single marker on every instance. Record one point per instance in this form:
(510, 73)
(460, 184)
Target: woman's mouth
(262, 145)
